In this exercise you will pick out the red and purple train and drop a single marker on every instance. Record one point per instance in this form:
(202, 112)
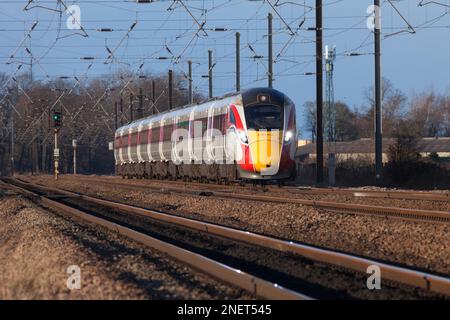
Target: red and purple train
(245, 136)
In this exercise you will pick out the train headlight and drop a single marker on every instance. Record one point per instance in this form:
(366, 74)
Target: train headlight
(243, 136)
(288, 136)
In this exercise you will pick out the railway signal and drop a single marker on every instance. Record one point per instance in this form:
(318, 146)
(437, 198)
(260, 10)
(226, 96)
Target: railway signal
(57, 119)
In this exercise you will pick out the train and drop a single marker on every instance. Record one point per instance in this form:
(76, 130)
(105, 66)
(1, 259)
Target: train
(240, 137)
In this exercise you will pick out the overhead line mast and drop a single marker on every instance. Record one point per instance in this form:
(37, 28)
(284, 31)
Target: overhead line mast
(378, 94)
(319, 92)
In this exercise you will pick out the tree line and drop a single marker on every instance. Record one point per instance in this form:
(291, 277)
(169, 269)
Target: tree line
(422, 115)
(88, 111)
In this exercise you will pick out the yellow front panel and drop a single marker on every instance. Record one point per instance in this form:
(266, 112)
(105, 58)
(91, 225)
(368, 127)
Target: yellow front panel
(265, 149)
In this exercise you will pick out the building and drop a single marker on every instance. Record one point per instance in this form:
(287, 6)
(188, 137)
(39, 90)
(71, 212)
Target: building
(365, 148)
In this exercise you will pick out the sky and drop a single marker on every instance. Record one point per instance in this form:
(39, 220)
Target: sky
(414, 62)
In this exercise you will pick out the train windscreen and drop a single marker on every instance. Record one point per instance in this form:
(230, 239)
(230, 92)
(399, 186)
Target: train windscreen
(264, 117)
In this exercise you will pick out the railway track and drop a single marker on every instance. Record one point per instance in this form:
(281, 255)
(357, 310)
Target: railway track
(57, 200)
(347, 208)
(400, 195)
(70, 202)
(358, 193)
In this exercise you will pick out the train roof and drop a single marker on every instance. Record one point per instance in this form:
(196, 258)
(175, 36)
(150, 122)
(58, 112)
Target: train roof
(249, 96)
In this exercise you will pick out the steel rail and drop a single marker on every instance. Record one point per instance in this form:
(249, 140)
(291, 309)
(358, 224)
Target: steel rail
(230, 275)
(348, 208)
(384, 194)
(423, 280)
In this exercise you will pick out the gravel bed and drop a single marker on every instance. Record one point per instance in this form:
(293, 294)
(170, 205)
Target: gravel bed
(380, 202)
(315, 279)
(418, 244)
(37, 247)
(400, 203)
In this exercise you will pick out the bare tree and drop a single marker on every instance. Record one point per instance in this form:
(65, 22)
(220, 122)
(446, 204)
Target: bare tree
(428, 114)
(88, 109)
(346, 123)
(394, 104)
(311, 118)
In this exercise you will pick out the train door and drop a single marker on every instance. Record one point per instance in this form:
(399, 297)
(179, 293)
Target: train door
(116, 147)
(149, 141)
(161, 139)
(155, 135)
(130, 132)
(180, 152)
(209, 156)
(140, 138)
(191, 150)
(232, 142)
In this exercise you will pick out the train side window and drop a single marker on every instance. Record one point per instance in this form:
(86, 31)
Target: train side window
(134, 139)
(204, 125)
(155, 135)
(143, 137)
(167, 134)
(219, 122)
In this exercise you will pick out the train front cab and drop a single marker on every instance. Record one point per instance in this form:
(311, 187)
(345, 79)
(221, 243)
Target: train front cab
(269, 146)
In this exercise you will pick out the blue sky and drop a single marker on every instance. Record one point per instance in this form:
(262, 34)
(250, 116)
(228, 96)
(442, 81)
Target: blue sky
(413, 62)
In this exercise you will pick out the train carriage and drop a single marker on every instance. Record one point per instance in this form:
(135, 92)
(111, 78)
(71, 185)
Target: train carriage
(244, 136)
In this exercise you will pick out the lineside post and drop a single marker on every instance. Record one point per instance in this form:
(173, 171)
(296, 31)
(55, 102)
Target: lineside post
(238, 61)
(131, 108)
(170, 89)
(153, 97)
(190, 93)
(270, 62)
(56, 154)
(57, 121)
(319, 92)
(74, 146)
(378, 95)
(115, 115)
(140, 111)
(210, 73)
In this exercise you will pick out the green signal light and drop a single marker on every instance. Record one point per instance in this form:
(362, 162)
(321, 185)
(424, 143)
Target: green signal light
(57, 119)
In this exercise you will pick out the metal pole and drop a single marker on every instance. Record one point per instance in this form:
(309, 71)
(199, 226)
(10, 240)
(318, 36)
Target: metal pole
(210, 73)
(140, 113)
(36, 155)
(238, 61)
(115, 115)
(330, 114)
(170, 89)
(121, 109)
(270, 62)
(378, 95)
(131, 108)
(74, 145)
(190, 93)
(153, 96)
(12, 143)
(56, 155)
(32, 157)
(319, 91)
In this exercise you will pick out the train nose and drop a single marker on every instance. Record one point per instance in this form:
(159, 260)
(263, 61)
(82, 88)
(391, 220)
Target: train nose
(265, 149)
